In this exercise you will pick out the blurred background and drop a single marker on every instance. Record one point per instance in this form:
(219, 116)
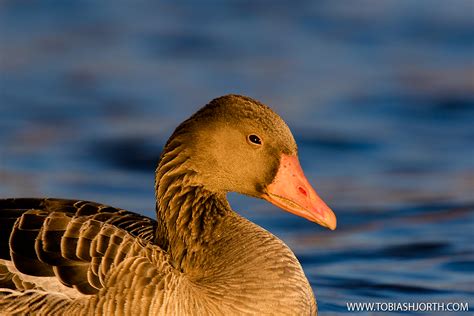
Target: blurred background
(379, 95)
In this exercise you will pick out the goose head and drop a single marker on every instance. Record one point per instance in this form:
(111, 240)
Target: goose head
(237, 144)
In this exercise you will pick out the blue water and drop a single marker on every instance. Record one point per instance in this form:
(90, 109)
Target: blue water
(379, 94)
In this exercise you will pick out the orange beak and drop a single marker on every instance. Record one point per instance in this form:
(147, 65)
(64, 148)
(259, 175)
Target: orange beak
(291, 191)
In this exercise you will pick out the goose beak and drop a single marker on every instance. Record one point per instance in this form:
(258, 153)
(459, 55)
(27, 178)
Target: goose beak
(291, 191)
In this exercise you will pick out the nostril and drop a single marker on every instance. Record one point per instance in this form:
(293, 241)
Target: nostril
(302, 191)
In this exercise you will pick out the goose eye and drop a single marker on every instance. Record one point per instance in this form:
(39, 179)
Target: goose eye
(254, 139)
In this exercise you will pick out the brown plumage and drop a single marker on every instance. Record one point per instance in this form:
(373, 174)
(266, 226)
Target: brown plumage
(198, 258)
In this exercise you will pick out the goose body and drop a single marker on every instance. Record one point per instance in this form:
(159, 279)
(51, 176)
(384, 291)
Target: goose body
(198, 257)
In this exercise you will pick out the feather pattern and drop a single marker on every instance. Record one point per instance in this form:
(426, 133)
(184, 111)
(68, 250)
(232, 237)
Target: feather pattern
(70, 243)
(110, 267)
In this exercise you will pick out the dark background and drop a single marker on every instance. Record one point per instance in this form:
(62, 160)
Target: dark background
(379, 95)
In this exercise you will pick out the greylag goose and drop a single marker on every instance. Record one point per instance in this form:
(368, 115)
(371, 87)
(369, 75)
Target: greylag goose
(198, 257)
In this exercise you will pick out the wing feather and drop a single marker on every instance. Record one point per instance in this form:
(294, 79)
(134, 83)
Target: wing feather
(77, 242)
